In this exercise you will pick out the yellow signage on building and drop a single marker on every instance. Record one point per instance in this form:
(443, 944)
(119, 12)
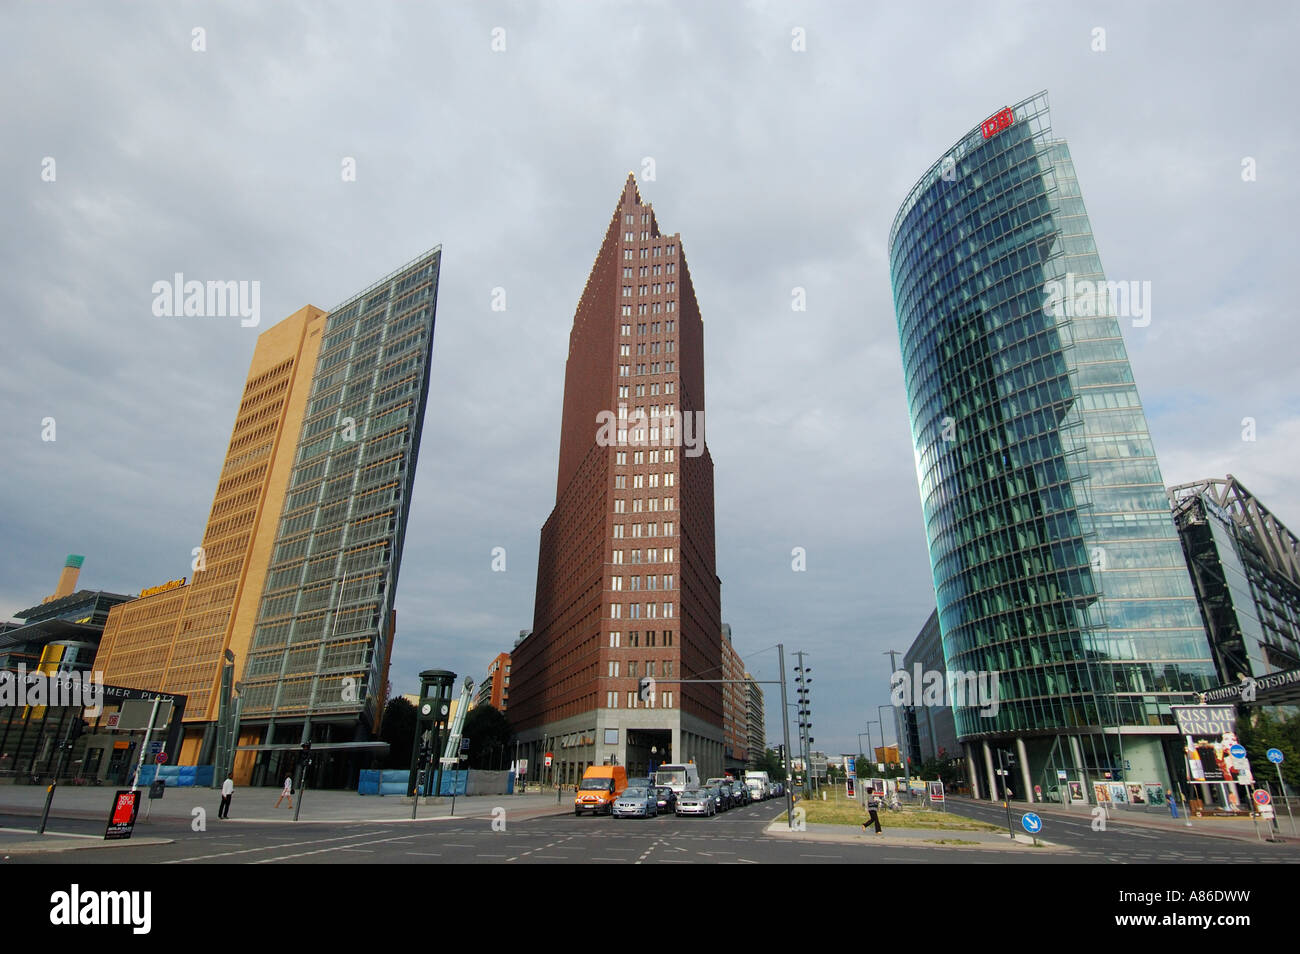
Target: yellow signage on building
(162, 587)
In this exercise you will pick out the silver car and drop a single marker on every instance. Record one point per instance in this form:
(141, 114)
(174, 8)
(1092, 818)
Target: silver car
(696, 801)
(635, 803)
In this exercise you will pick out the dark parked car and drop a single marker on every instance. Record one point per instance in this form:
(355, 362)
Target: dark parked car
(667, 799)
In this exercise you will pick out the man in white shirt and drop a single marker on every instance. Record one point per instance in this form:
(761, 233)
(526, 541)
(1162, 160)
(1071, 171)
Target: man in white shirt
(227, 793)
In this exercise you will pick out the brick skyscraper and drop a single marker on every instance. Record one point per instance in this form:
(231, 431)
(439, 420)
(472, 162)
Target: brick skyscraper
(626, 579)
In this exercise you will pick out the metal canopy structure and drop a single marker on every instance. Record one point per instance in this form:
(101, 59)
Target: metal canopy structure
(380, 748)
(1278, 545)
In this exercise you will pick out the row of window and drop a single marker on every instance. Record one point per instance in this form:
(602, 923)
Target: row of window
(625, 371)
(625, 389)
(647, 270)
(645, 252)
(634, 582)
(653, 288)
(640, 481)
(635, 611)
(639, 504)
(652, 328)
(615, 668)
(634, 639)
(625, 351)
(650, 308)
(651, 555)
(611, 700)
(638, 457)
(650, 530)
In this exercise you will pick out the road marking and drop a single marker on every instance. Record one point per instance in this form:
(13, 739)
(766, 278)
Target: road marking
(429, 854)
(819, 856)
(303, 854)
(450, 845)
(489, 856)
(315, 841)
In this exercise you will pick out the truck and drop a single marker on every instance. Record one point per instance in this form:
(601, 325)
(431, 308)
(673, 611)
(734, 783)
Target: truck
(759, 785)
(679, 778)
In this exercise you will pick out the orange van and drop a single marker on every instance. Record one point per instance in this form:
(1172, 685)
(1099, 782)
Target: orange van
(600, 785)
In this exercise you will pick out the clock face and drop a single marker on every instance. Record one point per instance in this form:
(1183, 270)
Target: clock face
(426, 709)
(444, 710)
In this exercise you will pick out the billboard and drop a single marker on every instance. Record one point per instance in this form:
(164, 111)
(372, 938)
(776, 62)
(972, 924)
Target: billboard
(1202, 722)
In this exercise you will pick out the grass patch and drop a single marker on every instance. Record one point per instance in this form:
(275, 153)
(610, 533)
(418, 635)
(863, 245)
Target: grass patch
(841, 811)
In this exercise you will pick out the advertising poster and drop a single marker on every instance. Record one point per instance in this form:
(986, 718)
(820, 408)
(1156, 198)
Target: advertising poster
(878, 787)
(1076, 791)
(121, 820)
(1118, 793)
(936, 791)
(1102, 792)
(1211, 762)
(1137, 794)
(1194, 766)
(1155, 794)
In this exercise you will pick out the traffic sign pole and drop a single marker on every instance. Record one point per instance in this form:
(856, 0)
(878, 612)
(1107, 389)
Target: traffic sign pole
(1275, 756)
(1032, 823)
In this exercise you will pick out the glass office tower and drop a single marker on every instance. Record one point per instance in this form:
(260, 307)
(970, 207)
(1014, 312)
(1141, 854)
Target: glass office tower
(1055, 558)
(321, 645)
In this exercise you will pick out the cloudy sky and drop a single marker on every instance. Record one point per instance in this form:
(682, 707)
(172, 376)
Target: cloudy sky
(781, 168)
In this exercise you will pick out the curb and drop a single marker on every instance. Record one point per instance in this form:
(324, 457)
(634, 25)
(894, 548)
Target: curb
(777, 829)
(40, 847)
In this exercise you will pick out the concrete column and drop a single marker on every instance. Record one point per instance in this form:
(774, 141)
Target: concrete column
(1077, 751)
(972, 771)
(1024, 769)
(988, 769)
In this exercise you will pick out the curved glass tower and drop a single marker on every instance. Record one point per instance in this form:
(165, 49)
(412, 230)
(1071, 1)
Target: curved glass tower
(1055, 558)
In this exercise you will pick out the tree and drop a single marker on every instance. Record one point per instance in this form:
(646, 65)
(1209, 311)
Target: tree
(398, 730)
(1263, 731)
(770, 763)
(489, 736)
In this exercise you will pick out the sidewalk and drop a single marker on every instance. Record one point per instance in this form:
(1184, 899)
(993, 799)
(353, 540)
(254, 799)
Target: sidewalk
(913, 837)
(257, 805)
(1236, 829)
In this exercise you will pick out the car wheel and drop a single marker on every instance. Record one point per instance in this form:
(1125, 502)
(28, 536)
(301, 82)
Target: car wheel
(577, 812)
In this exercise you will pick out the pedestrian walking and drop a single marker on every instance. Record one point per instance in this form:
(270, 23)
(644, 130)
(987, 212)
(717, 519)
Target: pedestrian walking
(286, 792)
(227, 795)
(873, 809)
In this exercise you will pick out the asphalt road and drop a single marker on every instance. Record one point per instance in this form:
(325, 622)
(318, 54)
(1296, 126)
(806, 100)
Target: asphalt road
(734, 837)
(1120, 842)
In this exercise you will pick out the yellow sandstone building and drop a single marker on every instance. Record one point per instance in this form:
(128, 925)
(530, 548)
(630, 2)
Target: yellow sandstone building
(174, 638)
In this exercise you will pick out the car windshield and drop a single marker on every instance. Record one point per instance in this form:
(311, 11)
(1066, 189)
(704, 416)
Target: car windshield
(670, 778)
(597, 785)
(635, 793)
(693, 793)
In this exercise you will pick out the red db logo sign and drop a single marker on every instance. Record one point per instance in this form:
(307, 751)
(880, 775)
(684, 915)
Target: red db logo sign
(995, 124)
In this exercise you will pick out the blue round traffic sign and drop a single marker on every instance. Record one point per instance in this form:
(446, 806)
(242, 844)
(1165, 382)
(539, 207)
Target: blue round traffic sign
(1275, 756)
(1237, 751)
(1032, 823)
